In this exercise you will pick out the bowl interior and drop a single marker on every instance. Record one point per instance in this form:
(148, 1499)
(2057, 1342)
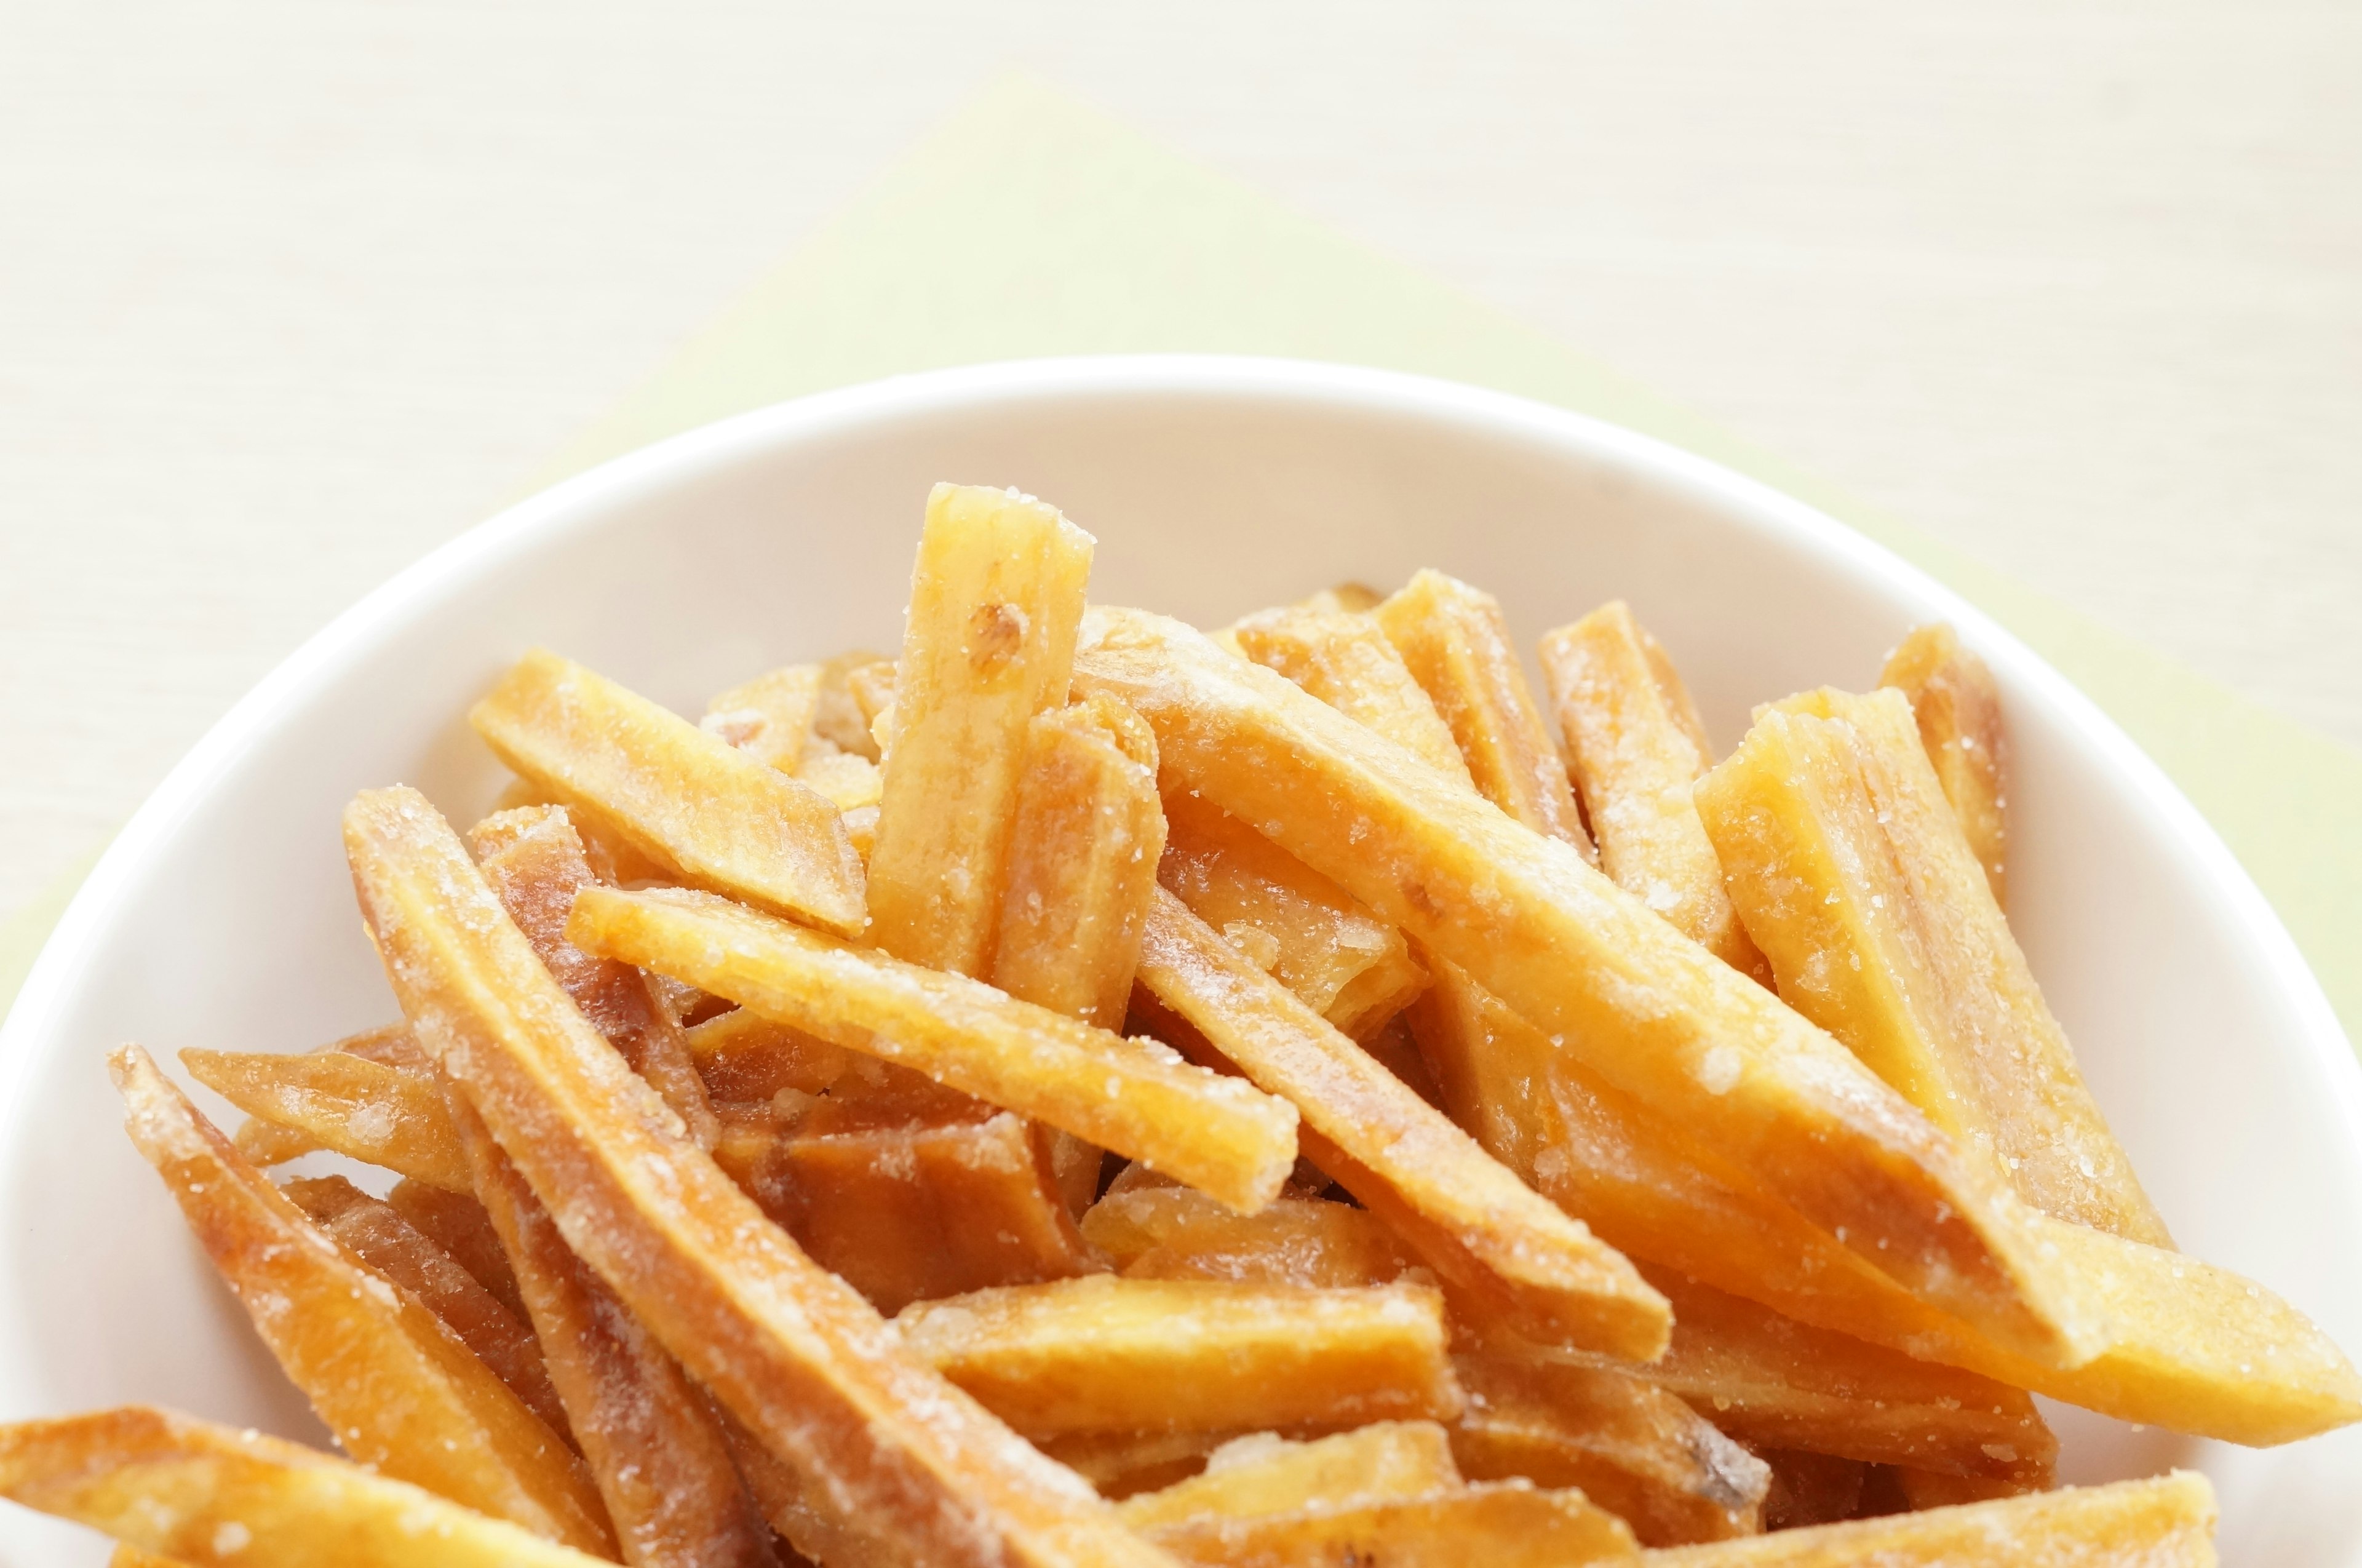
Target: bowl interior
(224, 917)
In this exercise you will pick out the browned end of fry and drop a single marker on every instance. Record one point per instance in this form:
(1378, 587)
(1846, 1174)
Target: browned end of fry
(1959, 712)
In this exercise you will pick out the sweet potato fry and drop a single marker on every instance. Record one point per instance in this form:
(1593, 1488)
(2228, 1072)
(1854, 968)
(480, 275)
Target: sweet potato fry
(894, 1457)
(1177, 1233)
(1216, 1133)
(1082, 858)
(663, 1467)
(684, 799)
(741, 1054)
(1633, 1449)
(363, 1110)
(1635, 746)
(1341, 961)
(1252, 1477)
(849, 782)
(268, 1143)
(1810, 1488)
(1775, 1103)
(1104, 1355)
(869, 682)
(1471, 1221)
(374, 1231)
(995, 600)
(1457, 647)
(2167, 1522)
(1125, 1464)
(770, 717)
(1957, 710)
(401, 1392)
(1851, 871)
(1347, 662)
(1502, 1524)
(132, 1557)
(193, 1493)
(457, 1224)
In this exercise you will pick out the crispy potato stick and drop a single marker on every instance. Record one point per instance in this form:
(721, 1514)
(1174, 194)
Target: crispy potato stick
(1344, 963)
(647, 1432)
(741, 1054)
(210, 1497)
(401, 1392)
(1400, 1155)
(1502, 1524)
(1630, 1447)
(894, 1456)
(457, 1224)
(1457, 647)
(1635, 746)
(995, 600)
(374, 1231)
(2167, 1522)
(770, 717)
(536, 863)
(363, 1110)
(684, 799)
(1082, 858)
(1346, 661)
(1175, 1234)
(1215, 1133)
(1957, 710)
(1776, 1103)
(1252, 1477)
(1853, 873)
(1105, 1354)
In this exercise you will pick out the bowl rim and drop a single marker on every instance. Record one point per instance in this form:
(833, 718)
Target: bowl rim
(523, 526)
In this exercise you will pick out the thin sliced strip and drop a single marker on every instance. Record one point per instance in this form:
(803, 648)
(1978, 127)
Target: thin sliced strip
(1401, 1153)
(1215, 1133)
(1250, 1477)
(1104, 1355)
(741, 1054)
(1958, 708)
(1174, 1232)
(892, 1455)
(684, 799)
(1777, 1103)
(398, 1389)
(204, 1496)
(1501, 1524)
(457, 1224)
(1347, 662)
(2167, 1522)
(365, 1111)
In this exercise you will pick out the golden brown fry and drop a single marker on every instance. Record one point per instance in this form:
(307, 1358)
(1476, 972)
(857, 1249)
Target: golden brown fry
(2167, 1522)
(457, 1224)
(1252, 1477)
(132, 1557)
(675, 795)
(995, 600)
(1810, 1488)
(1123, 1465)
(1635, 746)
(363, 1110)
(374, 1231)
(1502, 1524)
(210, 1497)
(1100, 1353)
(1177, 1233)
(869, 682)
(1082, 858)
(663, 1468)
(1957, 710)
(1134, 1098)
(743, 1055)
(1471, 1221)
(1633, 1449)
(1346, 661)
(1457, 647)
(770, 717)
(894, 1457)
(1344, 963)
(398, 1388)
(536, 863)
(1778, 1106)
(849, 782)
(1851, 871)
(268, 1143)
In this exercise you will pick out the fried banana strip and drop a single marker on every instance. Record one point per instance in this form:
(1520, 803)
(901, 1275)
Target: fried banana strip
(995, 598)
(192, 1493)
(895, 1457)
(1474, 1222)
(400, 1390)
(1635, 746)
(2167, 1522)
(685, 800)
(1216, 1133)
(1958, 709)
(365, 1111)
(1104, 1355)
(1852, 872)
(1775, 1101)
(1251, 1477)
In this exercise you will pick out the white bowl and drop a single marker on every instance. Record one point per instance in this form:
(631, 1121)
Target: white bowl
(221, 916)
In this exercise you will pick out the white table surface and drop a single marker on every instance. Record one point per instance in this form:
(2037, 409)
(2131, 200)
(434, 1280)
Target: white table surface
(291, 292)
